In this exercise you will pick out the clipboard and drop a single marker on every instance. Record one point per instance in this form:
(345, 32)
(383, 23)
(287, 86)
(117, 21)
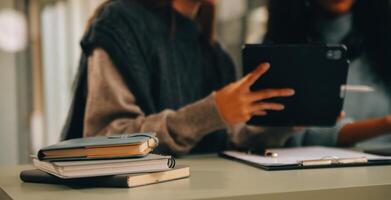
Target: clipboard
(307, 158)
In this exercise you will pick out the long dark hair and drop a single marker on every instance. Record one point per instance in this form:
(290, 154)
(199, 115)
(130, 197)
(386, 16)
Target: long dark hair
(289, 22)
(206, 16)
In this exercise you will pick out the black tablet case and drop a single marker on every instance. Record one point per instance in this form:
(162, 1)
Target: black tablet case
(38, 176)
(316, 73)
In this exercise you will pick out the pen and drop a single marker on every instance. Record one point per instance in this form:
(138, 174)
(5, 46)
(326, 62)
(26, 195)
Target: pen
(335, 161)
(271, 154)
(356, 88)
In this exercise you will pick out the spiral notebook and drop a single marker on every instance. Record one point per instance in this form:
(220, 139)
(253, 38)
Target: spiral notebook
(307, 157)
(94, 168)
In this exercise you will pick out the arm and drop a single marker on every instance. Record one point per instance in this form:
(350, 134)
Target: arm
(363, 130)
(111, 109)
(345, 133)
(258, 138)
(318, 136)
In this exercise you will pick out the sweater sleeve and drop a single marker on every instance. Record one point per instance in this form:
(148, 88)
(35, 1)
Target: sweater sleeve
(318, 136)
(112, 109)
(257, 138)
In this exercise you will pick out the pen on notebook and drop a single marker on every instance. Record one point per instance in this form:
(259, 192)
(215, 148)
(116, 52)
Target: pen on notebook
(357, 88)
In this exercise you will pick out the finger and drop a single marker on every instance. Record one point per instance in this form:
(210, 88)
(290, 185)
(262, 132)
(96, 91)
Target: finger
(260, 113)
(298, 128)
(341, 116)
(270, 93)
(253, 76)
(266, 106)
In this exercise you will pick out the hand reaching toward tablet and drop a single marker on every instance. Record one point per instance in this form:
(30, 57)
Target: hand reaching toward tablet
(388, 120)
(237, 103)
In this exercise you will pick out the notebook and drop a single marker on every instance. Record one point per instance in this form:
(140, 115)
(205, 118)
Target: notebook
(120, 181)
(92, 168)
(381, 152)
(102, 147)
(307, 157)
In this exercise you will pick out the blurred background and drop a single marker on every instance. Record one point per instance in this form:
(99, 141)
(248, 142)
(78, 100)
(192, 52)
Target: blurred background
(39, 55)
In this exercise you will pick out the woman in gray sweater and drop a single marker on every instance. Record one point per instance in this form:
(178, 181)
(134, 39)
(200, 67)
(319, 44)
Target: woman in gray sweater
(155, 66)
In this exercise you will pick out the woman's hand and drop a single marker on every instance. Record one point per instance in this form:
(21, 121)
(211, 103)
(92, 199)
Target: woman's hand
(362, 130)
(388, 122)
(237, 103)
(341, 116)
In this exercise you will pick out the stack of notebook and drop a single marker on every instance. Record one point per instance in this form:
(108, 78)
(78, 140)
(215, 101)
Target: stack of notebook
(112, 161)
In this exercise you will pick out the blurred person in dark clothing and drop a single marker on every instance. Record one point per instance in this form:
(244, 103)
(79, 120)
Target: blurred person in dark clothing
(364, 26)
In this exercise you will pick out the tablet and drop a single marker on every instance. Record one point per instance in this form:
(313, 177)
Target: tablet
(315, 72)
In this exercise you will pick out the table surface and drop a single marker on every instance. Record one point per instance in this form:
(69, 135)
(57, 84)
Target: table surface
(217, 178)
